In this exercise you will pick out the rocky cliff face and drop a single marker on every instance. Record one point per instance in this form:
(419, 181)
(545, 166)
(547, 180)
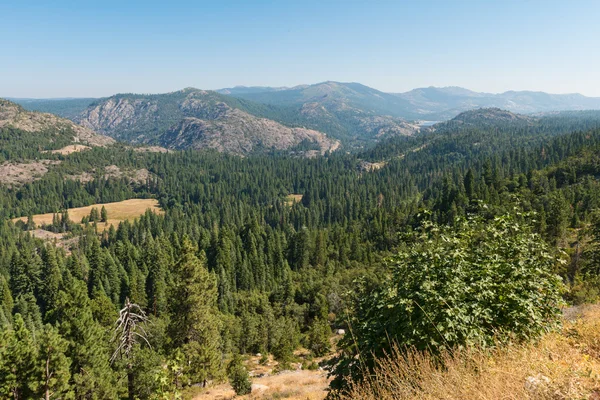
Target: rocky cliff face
(197, 119)
(117, 116)
(15, 116)
(237, 132)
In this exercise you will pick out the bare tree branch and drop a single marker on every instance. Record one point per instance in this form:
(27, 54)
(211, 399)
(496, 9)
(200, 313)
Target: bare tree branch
(131, 319)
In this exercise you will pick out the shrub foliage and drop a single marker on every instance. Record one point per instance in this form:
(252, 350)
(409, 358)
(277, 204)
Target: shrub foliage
(476, 283)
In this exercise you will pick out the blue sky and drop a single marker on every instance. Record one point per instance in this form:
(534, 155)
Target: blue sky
(91, 49)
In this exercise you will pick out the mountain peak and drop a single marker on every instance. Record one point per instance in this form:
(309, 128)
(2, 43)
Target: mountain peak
(188, 89)
(8, 106)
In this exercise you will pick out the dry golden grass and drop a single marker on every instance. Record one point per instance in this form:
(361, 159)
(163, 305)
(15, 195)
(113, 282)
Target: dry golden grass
(290, 199)
(117, 212)
(564, 365)
(291, 385)
(296, 384)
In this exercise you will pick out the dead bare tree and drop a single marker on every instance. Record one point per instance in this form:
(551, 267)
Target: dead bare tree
(129, 329)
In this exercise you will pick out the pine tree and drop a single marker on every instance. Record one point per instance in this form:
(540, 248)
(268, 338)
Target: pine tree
(103, 214)
(285, 340)
(318, 337)
(53, 365)
(238, 376)
(156, 287)
(592, 253)
(51, 280)
(27, 307)
(94, 216)
(558, 218)
(25, 268)
(30, 223)
(469, 184)
(103, 310)
(137, 287)
(195, 322)
(91, 375)
(17, 362)
(6, 300)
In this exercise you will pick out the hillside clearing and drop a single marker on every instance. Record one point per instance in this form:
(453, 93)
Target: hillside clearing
(290, 199)
(137, 176)
(292, 385)
(117, 212)
(12, 173)
(73, 148)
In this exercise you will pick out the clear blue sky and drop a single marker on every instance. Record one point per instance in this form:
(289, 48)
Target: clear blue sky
(98, 48)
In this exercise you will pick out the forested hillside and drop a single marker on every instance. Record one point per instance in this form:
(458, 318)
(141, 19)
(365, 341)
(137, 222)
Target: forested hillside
(271, 252)
(65, 108)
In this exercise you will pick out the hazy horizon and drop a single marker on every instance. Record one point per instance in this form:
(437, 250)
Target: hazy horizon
(282, 87)
(65, 49)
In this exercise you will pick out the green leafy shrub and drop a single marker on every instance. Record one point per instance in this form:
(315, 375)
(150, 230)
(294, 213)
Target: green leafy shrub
(473, 284)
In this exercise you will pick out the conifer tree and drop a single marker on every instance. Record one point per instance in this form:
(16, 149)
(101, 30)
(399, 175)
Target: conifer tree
(137, 287)
(128, 332)
(238, 376)
(103, 214)
(25, 269)
(91, 375)
(318, 337)
(156, 286)
(6, 300)
(27, 307)
(592, 253)
(51, 280)
(195, 322)
(53, 365)
(94, 216)
(17, 362)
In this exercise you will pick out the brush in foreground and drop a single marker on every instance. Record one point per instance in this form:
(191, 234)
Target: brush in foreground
(563, 365)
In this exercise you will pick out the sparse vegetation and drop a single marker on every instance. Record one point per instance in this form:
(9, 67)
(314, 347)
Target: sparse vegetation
(562, 365)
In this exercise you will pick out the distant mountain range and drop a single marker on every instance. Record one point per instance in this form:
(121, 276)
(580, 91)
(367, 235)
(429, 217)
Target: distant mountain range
(445, 103)
(430, 103)
(318, 117)
(66, 108)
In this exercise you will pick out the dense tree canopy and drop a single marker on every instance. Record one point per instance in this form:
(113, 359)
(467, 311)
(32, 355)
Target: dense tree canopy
(258, 254)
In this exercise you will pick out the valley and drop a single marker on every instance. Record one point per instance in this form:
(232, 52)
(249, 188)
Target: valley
(399, 200)
(236, 235)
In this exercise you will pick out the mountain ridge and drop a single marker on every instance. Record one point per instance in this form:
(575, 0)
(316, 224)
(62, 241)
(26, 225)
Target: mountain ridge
(350, 112)
(13, 115)
(195, 118)
(439, 102)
